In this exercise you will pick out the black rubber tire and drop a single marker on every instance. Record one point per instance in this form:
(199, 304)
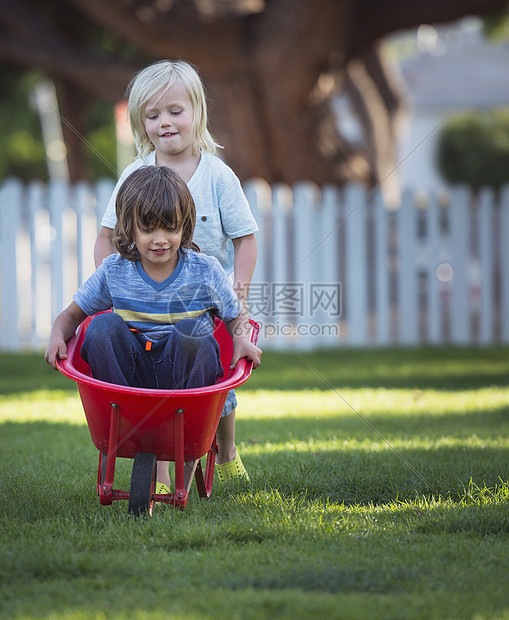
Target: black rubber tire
(143, 482)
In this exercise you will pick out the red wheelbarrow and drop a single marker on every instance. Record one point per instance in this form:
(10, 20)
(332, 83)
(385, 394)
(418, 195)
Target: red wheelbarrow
(149, 425)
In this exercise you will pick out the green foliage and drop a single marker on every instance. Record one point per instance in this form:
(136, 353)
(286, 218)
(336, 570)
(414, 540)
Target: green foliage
(388, 501)
(473, 149)
(496, 26)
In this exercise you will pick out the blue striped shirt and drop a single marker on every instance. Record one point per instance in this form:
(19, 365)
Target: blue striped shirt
(198, 289)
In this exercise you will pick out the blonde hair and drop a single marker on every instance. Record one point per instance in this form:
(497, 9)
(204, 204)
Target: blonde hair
(153, 197)
(164, 74)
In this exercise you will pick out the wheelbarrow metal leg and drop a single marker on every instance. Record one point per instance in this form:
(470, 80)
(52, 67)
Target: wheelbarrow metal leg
(105, 488)
(180, 490)
(204, 484)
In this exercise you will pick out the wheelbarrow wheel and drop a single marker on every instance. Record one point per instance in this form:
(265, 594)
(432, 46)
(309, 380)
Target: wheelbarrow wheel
(143, 481)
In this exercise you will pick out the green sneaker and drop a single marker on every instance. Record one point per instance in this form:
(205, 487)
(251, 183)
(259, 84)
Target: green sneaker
(162, 489)
(231, 470)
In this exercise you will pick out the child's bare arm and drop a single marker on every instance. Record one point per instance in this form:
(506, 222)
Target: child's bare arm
(245, 251)
(103, 245)
(63, 328)
(244, 260)
(240, 331)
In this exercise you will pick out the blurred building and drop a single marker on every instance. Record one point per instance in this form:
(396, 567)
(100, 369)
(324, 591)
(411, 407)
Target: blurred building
(451, 69)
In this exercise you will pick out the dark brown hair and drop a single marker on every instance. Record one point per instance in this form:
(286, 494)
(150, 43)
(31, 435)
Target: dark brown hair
(153, 197)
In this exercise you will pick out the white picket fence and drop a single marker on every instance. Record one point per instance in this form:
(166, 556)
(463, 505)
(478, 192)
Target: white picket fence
(335, 267)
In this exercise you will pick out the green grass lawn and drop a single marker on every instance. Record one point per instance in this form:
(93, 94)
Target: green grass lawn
(379, 489)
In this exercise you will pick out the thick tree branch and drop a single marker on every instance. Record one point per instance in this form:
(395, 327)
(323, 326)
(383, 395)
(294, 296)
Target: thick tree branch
(17, 18)
(86, 69)
(377, 19)
(163, 32)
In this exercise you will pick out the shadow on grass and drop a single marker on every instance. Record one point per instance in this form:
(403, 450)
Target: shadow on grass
(460, 425)
(446, 368)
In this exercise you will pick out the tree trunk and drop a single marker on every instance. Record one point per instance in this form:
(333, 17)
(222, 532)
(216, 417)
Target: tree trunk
(74, 105)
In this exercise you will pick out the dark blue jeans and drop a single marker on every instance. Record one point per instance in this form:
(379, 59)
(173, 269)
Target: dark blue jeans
(184, 359)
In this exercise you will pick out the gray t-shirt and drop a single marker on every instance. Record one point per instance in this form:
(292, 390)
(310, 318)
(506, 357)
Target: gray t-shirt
(222, 210)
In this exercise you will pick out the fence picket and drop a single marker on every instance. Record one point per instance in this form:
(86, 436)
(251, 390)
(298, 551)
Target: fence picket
(37, 222)
(434, 307)
(282, 217)
(307, 240)
(327, 265)
(486, 260)
(103, 188)
(258, 196)
(10, 199)
(57, 197)
(382, 267)
(407, 290)
(355, 290)
(504, 265)
(460, 324)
